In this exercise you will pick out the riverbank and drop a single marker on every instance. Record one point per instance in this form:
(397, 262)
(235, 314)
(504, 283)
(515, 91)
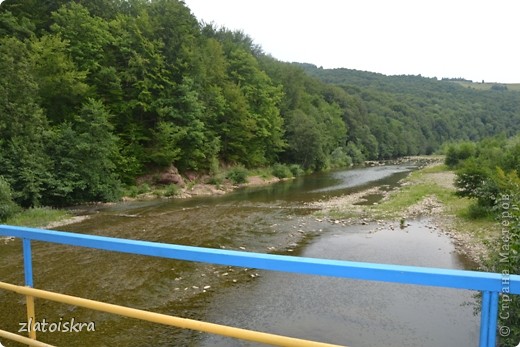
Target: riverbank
(197, 189)
(428, 192)
(52, 218)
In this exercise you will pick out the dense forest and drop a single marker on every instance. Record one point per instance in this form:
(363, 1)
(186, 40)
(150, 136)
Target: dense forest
(94, 94)
(428, 112)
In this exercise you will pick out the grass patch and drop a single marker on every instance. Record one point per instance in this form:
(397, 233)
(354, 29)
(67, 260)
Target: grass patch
(431, 169)
(263, 172)
(408, 196)
(216, 179)
(421, 184)
(38, 217)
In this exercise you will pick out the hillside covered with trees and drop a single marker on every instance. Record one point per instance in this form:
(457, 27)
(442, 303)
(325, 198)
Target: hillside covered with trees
(413, 114)
(94, 94)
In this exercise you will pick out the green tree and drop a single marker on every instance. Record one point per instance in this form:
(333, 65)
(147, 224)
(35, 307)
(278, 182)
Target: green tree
(19, 27)
(23, 161)
(61, 86)
(88, 37)
(259, 118)
(85, 153)
(7, 206)
(305, 142)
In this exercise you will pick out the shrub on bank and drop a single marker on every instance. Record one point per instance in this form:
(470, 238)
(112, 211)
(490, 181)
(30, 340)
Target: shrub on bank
(237, 175)
(281, 171)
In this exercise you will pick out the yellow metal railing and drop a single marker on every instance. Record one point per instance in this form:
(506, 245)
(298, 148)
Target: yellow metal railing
(22, 339)
(244, 334)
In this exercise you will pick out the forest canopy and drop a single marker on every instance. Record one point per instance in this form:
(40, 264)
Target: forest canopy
(94, 94)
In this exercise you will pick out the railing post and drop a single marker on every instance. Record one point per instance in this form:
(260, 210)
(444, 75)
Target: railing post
(493, 317)
(484, 319)
(28, 274)
(488, 319)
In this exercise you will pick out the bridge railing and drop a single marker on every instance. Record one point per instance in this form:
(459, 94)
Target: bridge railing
(491, 285)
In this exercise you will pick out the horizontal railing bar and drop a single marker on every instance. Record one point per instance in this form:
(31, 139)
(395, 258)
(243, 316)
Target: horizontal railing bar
(244, 334)
(23, 339)
(460, 279)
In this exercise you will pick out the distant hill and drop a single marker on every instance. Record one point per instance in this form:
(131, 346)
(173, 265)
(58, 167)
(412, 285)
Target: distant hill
(425, 111)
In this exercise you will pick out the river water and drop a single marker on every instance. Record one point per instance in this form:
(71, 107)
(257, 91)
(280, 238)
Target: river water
(271, 219)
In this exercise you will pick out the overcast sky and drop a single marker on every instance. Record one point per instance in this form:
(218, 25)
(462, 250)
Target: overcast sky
(477, 40)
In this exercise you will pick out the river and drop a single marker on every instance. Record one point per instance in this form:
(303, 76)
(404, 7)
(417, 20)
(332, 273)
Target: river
(272, 219)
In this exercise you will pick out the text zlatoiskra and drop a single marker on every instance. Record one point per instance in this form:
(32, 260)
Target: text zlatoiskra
(68, 326)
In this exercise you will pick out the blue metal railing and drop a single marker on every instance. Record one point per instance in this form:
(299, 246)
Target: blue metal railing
(490, 284)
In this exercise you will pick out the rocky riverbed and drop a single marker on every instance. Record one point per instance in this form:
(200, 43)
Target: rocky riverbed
(354, 207)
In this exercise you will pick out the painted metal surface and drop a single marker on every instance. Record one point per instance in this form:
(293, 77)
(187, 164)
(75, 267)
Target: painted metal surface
(490, 284)
(28, 275)
(158, 318)
(23, 340)
(470, 280)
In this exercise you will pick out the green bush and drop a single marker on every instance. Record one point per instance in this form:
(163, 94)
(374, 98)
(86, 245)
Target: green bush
(296, 170)
(477, 211)
(216, 180)
(281, 171)
(354, 154)
(237, 175)
(340, 159)
(7, 206)
(171, 190)
(458, 152)
(143, 188)
(131, 191)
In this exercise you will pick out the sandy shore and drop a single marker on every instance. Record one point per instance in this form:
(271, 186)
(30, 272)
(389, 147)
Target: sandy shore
(71, 220)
